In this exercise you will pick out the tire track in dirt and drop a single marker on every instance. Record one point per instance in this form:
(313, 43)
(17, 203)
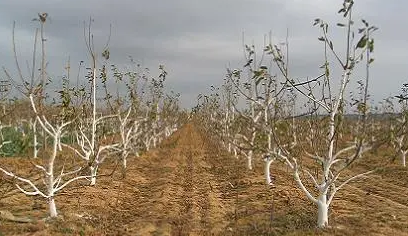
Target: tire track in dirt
(384, 189)
(180, 193)
(382, 205)
(182, 222)
(201, 202)
(377, 187)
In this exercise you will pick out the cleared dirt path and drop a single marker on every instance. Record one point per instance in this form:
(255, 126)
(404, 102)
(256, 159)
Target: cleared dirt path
(181, 194)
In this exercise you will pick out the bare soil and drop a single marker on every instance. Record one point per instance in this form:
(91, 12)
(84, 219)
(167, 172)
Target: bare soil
(188, 186)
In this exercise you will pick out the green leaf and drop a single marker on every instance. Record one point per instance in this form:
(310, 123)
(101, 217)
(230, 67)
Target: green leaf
(362, 42)
(321, 39)
(106, 54)
(267, 48)
(371, 45)
(341, 25)
(362, 107)
(257, 73)
(331, 45)
(371, 60)
(259, 80)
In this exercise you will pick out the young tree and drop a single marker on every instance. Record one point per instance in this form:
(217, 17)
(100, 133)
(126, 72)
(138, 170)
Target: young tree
(399, 138)
(328, 110)
(131, 113)
(91, 149)
(55, 177)
(253, 88)
(399, 126)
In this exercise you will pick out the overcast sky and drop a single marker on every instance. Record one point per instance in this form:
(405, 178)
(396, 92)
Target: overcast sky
(197, 39)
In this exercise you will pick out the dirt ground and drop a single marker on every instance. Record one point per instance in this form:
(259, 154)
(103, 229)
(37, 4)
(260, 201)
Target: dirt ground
(188, 186)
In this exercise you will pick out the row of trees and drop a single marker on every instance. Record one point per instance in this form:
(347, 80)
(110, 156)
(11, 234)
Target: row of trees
(260, 110)
(308, 124)
(86, 123)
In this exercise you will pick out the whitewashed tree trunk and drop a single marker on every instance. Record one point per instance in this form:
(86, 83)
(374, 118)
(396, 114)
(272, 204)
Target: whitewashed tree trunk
(147, 143)
(403, 157)
(167, 131)
(50, 173)
(322, 210)
(268, 162)
(35, 141)
(235, 147)
(249, 159)
(94, 172)
(52, 207)
(154, 141)
(124, 163)
(399, 144)
(251, 152)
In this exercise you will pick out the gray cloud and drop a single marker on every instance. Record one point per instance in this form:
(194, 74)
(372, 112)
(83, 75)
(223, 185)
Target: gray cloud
(197, 39)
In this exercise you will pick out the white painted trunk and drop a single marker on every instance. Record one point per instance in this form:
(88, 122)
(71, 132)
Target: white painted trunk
(251, 152)
(124, 163)
(249, 160)
(94, 171)
(51, 191)
(268, 178)
(52, 207)
(154, 142)
(403, 154)
(235, 148)
(147, 144)
(35, 142)
(322, 211)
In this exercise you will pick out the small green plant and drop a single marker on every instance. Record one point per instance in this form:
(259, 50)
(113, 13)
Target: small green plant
(17, 143)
